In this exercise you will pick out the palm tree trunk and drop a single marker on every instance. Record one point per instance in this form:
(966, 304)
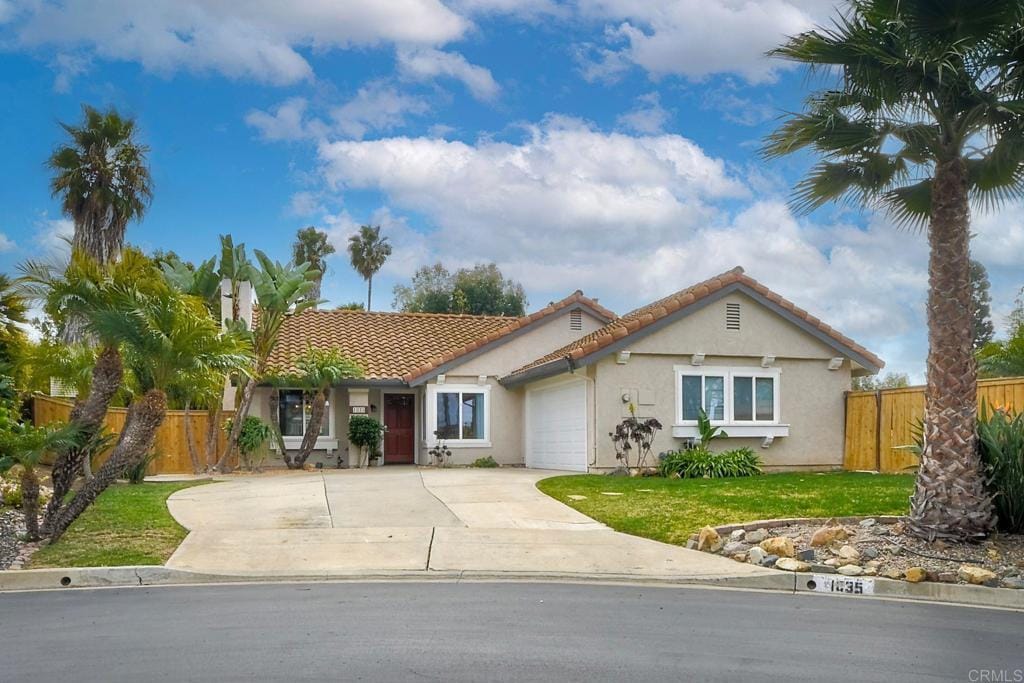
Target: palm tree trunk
(30, 502)
(236, 425)
(949, 498)
(369, 293)
(316, 421)
(193, 450)
(137, 437)
(88, 414)
(213, 414)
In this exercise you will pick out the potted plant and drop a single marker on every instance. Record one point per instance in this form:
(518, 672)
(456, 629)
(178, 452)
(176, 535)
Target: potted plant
(365, 433)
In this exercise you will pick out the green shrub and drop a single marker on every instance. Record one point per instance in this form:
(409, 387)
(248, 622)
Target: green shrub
(486, 461)
(251, 439)
(136, 474)
(365, 434)
(699, 462)
(1001, 443)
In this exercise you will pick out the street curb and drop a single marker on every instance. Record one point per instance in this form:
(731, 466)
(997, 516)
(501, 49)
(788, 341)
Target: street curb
(135, 576)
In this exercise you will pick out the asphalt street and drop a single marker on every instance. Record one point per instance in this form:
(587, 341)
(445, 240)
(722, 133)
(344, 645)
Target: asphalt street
(495, 631)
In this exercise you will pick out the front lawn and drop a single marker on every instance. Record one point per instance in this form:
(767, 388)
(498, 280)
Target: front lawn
(670, 510)
(128, 524)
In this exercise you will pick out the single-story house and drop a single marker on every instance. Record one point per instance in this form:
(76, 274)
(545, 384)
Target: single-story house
(546, 389)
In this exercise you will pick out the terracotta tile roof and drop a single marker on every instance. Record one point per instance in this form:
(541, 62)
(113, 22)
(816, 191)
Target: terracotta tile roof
(576, 298)
(646, 315)
(401, 346)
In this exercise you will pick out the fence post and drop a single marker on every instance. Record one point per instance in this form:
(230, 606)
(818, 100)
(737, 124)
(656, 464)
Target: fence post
(878, 430)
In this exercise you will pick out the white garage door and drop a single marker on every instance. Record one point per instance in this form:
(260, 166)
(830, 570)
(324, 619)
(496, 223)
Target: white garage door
(556, 429)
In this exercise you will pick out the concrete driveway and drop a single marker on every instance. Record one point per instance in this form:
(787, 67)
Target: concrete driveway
(406, 519)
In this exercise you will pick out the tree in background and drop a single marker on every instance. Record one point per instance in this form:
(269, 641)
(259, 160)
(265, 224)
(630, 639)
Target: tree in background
(102, 180)
(311, 246)
(981, 300)
(316, 372)
(922, 113)
(1015, 320)
(368, 252)
(13, 314)
(351, 306)
(481, 290)
(891, 380)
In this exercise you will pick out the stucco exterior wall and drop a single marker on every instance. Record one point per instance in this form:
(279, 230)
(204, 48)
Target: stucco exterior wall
(527, 347)
(339, 406)
(506, 425)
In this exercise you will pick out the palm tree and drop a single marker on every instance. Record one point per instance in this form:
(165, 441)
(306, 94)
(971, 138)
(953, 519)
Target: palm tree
(90, 292)
(102, 180)
(165, 336)
(368, 251)
(311, 246)
(926, 117)
(234, 267)
(318, 371)
(282, 290)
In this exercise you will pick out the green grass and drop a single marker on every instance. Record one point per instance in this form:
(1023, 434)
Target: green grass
(670, 510)
(128, 524)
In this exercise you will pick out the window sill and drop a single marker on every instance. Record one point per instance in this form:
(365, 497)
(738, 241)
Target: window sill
(323, 443)
(463, 444)
(738, 431)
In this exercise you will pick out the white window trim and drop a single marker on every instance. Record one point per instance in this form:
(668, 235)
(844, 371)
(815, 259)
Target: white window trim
(735, 428)
(323, 443)
(431, 406)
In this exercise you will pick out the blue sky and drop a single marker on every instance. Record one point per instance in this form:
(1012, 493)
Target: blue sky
(608, 145)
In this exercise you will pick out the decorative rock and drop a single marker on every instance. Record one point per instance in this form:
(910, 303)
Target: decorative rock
(865, 523)
(806, 555)
(707, 539)
(792, 565)
(975, 575)
(769, 560)
(734, 547)
(872, 564)
(825, 535)
(756, 536)
(848, 552)
(1016, 582)
(880, 530)
(870, 571)
(576, 496)
(946, 577)
(691, 544)
(779, 545)
(915, 575)
(737, 535)
(739, 557)
(851, 570)
(755, 555)
(870, 552)
(892, 573)
(931, 575)
(823, 569)
(832, 562)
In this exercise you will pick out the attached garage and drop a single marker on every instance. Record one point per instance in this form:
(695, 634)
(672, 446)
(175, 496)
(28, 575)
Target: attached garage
(556, 427)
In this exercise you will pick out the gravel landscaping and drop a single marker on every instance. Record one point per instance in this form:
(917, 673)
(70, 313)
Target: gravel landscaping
(12, 527)
(868, 547)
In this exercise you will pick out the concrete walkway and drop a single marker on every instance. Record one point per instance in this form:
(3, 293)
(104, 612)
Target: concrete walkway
(405, 519)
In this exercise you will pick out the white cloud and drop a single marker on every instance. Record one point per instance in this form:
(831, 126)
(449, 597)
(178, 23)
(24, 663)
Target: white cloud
(736, 108)
(286, 122)
(304, 204)
(257, 39)
(522, 9)
(647, 117)
(6, 243)
(53, 236)
(6, 11)
(696, 38)
(376, 107)
(999, 236)
(68, 67)
(428, 63)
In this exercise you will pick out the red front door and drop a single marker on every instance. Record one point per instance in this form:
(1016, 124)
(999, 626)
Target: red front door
(400, 420)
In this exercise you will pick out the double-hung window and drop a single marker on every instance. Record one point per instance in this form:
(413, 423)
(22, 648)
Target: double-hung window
(458, 414)
(742, 397)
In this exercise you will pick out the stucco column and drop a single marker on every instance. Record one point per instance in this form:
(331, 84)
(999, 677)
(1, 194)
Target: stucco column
(358, 404)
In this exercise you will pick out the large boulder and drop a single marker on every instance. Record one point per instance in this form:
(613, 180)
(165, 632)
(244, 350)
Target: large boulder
(851, 570)
(779, 545)
(756, 555)
(915, 575)
(756, 536)
(826, 535)
(708, 540)
(792, 565)
(978, 576)
(733, 547)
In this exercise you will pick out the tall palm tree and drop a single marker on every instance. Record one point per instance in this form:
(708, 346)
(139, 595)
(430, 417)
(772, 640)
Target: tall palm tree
(923, 115)
(165, 336)
(312, 246)
(368, 251)
(318, 371)
(102, 179)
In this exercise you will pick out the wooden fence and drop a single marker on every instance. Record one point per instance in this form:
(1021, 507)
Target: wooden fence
(879, 424)
(171, 446)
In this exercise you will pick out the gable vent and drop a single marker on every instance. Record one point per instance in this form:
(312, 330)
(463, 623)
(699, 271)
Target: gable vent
(576, 320)
(732, 317)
